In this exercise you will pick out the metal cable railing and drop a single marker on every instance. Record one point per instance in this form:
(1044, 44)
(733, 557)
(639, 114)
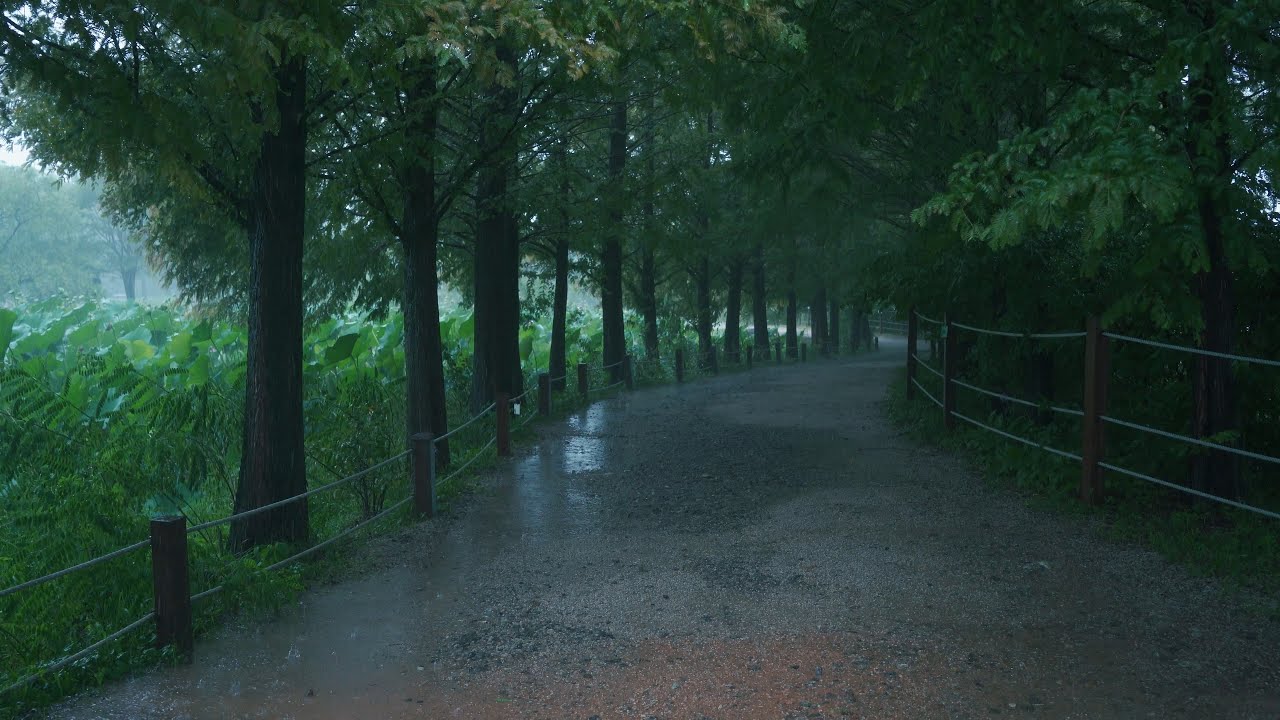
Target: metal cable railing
(926, 392)
(466, 424)
(319, 546)
(926, 366)
(75, 568)
(1019, 438)
(1101, 416)
(465, 465)
(299, 496)
(1191, 440)
(1190, 491)
(62, 663)
(1017, 400)
(607, 388)
(1033, 336)
(1194, 351)
(80, 655)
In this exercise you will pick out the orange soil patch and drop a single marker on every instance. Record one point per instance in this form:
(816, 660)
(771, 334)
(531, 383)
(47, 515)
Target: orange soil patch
(813, 677)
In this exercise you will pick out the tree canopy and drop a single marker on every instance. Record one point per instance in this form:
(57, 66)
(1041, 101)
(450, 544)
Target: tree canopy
(286, 160)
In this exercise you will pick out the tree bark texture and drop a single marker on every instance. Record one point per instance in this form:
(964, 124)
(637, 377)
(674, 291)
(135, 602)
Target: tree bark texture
(733, 314)
(615, 339)
(760, 305)
(818, 321)
(1208, 147)
(793, 338)
(702, 281)
(833, 330)
(273, 464)
(426, 410)
(496, 359)
(558, 365)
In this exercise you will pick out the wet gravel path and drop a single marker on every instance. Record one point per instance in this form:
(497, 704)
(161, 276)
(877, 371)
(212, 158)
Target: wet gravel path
(753, 546)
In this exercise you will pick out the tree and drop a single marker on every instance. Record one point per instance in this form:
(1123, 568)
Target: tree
(226, 92)
(46, 243)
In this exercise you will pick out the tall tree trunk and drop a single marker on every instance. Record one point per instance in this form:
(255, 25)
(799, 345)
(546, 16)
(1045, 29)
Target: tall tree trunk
(733, 313)
(615, 340)
(649, 300)
(1208, 148)
(129, 277)
(496, 347)
(702, 281)
(833, 331)
(559, 369)
(793, 339)
(558, 366)
(760, 305)
(818, 320)
(273, 464)
(648, 261)
(426, 410)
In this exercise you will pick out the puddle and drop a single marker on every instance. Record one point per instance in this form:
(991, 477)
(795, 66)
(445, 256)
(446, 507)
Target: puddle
(359, 649)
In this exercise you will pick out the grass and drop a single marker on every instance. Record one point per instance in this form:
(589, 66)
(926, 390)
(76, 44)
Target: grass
(1239, 548)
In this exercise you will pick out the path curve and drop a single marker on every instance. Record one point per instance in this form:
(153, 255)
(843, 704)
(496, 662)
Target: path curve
(754, 546)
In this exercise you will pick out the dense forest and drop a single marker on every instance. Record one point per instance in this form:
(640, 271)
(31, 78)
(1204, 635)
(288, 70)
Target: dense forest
(313, 178)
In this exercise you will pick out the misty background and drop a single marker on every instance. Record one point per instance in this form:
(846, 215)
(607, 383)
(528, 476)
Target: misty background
(57, 239)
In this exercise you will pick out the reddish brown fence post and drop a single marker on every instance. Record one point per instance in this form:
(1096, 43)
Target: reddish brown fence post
(1097, 358)
(171, 584)
(582, 380)
(424, 474)
(911, 354)
(627, 373)
(502, 406)
(679, 365)
(949, 361)
(544, 394)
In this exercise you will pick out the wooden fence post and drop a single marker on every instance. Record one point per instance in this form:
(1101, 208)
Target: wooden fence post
(502, 403)
(424, 474)
(804, 352)
(627, 371)
(582, 380)
(911, 353)
(778, 348)
(171, 584)
(1097, 360)
(715, 361)
(544, 394)
(949, 361)
(679, 364)
(751, 351)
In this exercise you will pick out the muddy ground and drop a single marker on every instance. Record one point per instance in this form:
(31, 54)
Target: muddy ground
(754, 546)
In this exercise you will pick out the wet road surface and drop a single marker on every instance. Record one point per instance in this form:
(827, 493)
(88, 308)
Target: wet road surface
(752, 546)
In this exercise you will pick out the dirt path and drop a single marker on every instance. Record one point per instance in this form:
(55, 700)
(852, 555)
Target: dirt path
(760, 546)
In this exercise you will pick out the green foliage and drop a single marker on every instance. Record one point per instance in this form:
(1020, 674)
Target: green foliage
(1238, 546)
(111, 414)
(48, 238)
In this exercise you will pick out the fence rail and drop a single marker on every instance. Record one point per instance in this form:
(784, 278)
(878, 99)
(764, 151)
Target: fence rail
(425, 485)
(1093, 415)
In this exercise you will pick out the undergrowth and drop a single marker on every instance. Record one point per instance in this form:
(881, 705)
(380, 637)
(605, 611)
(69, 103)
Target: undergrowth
(1239, 548)
(113, 414)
